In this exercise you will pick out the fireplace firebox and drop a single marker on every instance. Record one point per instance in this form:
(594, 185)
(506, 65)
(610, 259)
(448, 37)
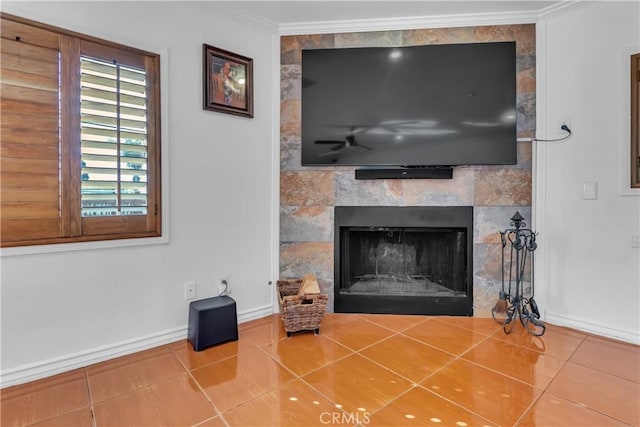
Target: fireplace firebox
(404, 260)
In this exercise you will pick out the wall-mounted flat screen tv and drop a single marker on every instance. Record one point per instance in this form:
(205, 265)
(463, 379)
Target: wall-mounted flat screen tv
(435, 105)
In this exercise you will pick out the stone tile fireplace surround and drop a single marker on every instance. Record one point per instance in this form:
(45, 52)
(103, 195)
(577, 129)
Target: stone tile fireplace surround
(308, 195)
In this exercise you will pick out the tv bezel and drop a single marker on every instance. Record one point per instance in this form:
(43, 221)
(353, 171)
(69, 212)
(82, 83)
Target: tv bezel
(512, 156)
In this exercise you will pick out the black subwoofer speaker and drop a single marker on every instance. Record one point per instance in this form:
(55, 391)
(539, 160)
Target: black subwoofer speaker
(212, 321)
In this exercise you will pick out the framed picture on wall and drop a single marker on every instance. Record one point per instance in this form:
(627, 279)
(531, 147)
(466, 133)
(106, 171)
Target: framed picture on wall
(227, 82)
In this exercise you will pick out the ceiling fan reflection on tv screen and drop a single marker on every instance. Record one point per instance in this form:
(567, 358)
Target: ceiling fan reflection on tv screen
(349, 142)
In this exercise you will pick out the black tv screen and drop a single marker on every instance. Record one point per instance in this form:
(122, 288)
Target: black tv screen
(435, 105)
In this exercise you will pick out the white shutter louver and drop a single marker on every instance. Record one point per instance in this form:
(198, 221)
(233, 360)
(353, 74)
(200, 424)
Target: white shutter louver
(114, 139)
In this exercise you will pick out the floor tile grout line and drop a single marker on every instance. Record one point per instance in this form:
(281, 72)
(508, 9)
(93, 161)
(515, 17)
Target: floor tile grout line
(505, 375)
(427, 344)
(546, 387)
(256, 323)
(460, 357)
(359, 352)
(319, 367)
(466, 328)
(529, 408)
(564, 364)
(296, 377)
(254, 398)
(146, 386)
(366, 346)
(419, 384)
(471, 410)
(413, 386)
(395, 330)
(218, 411)
(261, 348)
(517, 344)
(252, 341)
(206, 396)
(455, 357)
(538, 351)
(90, 406)
(459, 405)
(410, 381)
(325, 397)
(211, 418)
(94, 421)
(353, 352)
(542, 389)
(186, 371)
(486, 338)
(580, 404)
(137, 388)
(402, 376)
(521, 347)
(319, 334)
(592, 367)
(599, 371)
(452, 361)
(376, 342)
(218, 360)
(38, 385)
(443, 319)
(122, 361)
(604, 372)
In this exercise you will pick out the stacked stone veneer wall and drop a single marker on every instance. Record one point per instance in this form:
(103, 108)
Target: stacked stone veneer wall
(308, 195)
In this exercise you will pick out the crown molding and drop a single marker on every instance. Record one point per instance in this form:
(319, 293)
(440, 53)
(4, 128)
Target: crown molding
(562, 7)
(438, 21)
(403, 23)
(407, 23)
(231, 10)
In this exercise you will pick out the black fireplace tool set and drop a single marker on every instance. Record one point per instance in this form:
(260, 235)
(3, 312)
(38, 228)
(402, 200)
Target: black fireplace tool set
(512, 302)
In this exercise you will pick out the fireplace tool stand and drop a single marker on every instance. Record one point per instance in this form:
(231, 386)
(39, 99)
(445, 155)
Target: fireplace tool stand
(522, 242)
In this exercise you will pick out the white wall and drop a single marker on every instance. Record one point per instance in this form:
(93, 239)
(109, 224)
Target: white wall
(589, 277)
(65, 309)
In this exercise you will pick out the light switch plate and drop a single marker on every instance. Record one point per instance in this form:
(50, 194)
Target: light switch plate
(590, 191)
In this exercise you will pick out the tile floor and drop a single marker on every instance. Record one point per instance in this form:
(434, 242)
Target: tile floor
(367, 370)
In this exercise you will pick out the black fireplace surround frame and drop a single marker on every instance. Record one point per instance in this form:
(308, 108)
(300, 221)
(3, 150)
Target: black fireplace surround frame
(403, 216)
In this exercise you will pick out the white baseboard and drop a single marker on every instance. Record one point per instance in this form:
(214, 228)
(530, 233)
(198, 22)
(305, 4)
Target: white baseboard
(68, 362)
(46, 368)
(629, 336)
(255, 313)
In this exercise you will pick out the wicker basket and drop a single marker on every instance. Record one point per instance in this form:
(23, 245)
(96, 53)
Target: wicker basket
(300, 312)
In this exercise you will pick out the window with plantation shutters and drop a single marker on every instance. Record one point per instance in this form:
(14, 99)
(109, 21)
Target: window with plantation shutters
(635, 120)
(80, 137)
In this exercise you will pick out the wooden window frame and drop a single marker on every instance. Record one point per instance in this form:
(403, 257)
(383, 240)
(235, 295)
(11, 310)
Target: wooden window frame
(72, 226)
(635, 120)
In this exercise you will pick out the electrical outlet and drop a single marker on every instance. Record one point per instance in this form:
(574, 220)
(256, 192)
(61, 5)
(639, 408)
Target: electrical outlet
(224, 285)
(190, 290)
(564, 121)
